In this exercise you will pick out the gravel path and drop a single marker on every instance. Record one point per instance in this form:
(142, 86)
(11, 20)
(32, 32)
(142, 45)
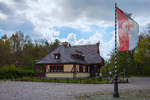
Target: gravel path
(61, 91)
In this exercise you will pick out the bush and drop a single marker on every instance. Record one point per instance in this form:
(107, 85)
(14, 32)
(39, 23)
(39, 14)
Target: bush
(22, 72)
(11, 71)
(8, 71)
(81, 81)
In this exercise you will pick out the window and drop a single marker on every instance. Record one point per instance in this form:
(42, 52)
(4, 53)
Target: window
(56, 68)
(77, 56)
(51, 68)
(96, 69)
(61, 68)
(57, 56)
(86, 68)
(80, 68)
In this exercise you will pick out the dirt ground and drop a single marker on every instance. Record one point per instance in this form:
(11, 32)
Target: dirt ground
(138, 88)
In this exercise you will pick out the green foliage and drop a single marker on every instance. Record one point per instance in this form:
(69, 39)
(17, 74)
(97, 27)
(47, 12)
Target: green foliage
(142, 56)
(8, 71)
(21, 49)
(6, 55)
(11, 71)
(126, 61)
(136, 62)
(81, 81)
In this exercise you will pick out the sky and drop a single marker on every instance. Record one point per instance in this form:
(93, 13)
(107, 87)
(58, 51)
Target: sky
(75, 21)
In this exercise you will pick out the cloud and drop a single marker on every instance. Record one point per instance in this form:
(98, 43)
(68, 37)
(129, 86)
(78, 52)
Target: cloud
(71, 38)
(12, 18)
(38, 18)
(79, 14)
(5, 9)
(56, 33)
(3, 16)
(105, 47)
(88, 9)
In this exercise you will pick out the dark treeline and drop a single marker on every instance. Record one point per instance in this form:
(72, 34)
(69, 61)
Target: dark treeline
(22, 51)
(135, 62)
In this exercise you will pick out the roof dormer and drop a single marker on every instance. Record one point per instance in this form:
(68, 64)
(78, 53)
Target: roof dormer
(57, 55)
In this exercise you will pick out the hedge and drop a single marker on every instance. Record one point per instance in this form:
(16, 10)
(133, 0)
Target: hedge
(11, 71)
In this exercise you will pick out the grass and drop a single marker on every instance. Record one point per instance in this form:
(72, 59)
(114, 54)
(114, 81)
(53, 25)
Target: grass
(57, 80)
(81, 81)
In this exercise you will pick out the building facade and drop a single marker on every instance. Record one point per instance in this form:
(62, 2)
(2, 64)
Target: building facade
(66, 61)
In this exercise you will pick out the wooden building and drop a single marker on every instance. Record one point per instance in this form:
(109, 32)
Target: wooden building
(66, 61)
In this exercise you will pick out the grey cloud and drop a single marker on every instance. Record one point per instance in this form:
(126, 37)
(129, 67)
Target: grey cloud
(11, 10)
(100, 10)
(5, 9)
(20, 4)
(15, 21)
(92, 9)
(136, 7)
(72, 10)
(19, 1)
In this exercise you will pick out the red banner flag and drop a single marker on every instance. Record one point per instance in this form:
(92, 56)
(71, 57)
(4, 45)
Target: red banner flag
(128, 31)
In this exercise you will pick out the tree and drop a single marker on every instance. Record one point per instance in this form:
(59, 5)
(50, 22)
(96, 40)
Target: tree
(18, 41)
(137, 61)
(125, 60)
(20, 48)
(142, 56)
(5, 51)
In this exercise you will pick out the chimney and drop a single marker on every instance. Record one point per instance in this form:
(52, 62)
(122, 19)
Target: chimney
(69, 45)
(98, 43)
(65, 44)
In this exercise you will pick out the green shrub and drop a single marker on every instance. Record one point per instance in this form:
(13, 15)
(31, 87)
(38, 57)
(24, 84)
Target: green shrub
(26, 72)
(8, 71)
(82, 81)
(11, 71)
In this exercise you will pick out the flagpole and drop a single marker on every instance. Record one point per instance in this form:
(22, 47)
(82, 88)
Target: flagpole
(116, 94)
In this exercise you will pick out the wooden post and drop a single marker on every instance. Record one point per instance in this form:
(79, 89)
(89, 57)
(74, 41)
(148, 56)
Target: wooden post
(59, 67)
(56, 67)
(44, 70)
(74, 72)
